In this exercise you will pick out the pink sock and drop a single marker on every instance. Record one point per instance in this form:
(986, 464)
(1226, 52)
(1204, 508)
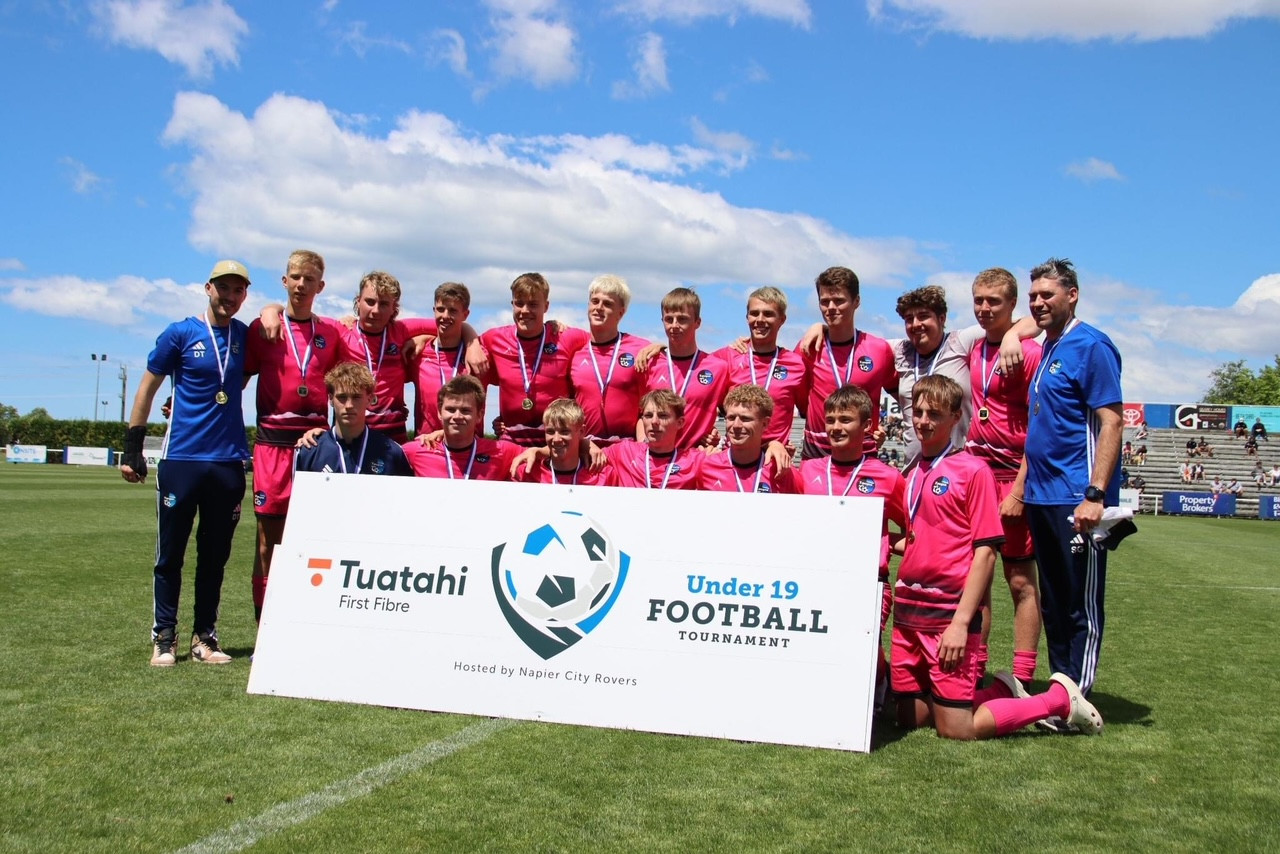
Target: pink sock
(259, 591)
(1012, 715)
(980, 664)
(1024, 665)
(997, 690)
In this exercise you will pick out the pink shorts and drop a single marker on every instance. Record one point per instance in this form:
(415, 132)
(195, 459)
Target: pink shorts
(886, 602)
(914, 670)
(272, 479)
(1017, 534)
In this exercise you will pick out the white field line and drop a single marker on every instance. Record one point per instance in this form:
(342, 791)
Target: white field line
(1196, 586)
(243, 834)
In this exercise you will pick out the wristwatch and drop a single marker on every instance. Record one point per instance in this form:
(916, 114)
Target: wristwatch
(1092, 493)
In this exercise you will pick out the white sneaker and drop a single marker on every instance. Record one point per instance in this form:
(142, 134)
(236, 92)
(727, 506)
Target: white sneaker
(206, 650)
(163, 653)
(1084, 717)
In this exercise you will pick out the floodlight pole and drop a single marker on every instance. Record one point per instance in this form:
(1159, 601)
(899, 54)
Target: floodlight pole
(124, 384)
(97, 381)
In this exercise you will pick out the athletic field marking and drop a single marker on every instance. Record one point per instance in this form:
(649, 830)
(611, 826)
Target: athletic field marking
(1197, 586)
(242, 834)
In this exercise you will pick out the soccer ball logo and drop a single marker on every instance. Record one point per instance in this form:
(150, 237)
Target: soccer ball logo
(556, 582)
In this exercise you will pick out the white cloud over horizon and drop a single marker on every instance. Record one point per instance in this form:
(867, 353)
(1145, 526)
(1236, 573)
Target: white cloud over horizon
(795, 12)
(650, 68)
(1092, 169)
(532, 41)
(197, 36)
(1079, 20)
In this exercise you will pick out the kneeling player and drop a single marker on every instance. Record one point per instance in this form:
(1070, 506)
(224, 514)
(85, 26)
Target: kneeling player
(462, 455)
(946, 570)
(851, 472)
(657, 462)
(351, 447)
(744, 466)
(564, 464)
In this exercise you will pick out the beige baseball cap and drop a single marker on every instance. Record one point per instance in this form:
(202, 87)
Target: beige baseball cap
(230, 268)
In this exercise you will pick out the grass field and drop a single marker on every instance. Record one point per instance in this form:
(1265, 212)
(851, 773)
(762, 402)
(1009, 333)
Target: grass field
(103, 753)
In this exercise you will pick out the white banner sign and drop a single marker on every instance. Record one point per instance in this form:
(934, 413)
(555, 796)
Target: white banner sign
(26, 453)
(1131, 499)
(752, 617)
(72, 455)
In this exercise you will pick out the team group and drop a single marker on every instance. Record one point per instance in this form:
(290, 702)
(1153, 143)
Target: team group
(1012, 448)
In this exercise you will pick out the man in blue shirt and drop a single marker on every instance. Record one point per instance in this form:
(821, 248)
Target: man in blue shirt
(350, 447)
(202, 463)
(1071, 469)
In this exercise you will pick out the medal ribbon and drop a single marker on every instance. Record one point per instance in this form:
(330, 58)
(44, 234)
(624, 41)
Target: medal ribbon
(671, 372)
(913, 506)
(751, 363)
(448, 461)
(848, 368)
(756, 482)
(457, 362)
(368, 354)
(648, 478)
(988, 377)
(217, 357)
(1048, 352)
(537, 363)
(933, 361)
(853, 478)
(305, 360)
(604, 381)
(342, 456)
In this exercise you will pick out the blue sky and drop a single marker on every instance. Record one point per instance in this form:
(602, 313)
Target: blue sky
(722, 144)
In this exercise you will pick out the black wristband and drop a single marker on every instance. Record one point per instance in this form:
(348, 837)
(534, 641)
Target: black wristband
(133, 437)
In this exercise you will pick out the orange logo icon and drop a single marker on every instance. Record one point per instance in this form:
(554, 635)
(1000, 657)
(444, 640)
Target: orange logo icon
(318, 563)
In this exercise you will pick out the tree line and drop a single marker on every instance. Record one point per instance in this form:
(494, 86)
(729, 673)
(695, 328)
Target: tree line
(38, 427)
(1235, 383)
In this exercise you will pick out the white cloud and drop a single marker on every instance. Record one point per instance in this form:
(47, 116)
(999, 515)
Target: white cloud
(12, 264)
(355, 36)
(1077, 20)
(196, 35)
(449, 47)
(1092, 169)
(735, 147)
(530, 41)
(795, 12)
(83, 180)
(651, 70)
(432, 203)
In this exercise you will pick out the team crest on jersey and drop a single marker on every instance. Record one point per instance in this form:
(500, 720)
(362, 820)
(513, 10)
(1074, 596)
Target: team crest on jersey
(482, 458)
(705, 377)
(393, 349)
(780, 372)
(170, 500)
(866, 485)
(378, 466)
(626, 360)
(941, 485)
(763, 487)
(319, 342)
(259, 498)
(674, 468)
(865, 364)
(1056, 366)
(550, 349)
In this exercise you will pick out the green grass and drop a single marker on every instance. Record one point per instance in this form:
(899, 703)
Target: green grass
(104, 753)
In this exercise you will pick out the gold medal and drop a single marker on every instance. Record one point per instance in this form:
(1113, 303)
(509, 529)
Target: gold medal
(303, 391)
(1036, 411)
(984, 413)
(373, 400)
(221, 397)
(526, 404)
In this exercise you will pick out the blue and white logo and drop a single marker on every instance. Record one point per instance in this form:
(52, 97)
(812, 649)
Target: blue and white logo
(705, 377)
(780, 372)
(941, 485)
(865, 364)
(556, 583)
(550, 349)
(866, 485)
(319, 342)
(626, 360)
(1056, 366)
(170, 500)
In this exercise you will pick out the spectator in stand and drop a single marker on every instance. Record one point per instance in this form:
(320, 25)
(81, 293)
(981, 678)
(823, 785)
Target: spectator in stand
(1251, 447)
(1273, 476)
(1260, 430)
(1142, 432)
(1259, 474)
(1137, 482)
(1234, 488)
(1126, 453)
(1204, 449)
(1240, 431)
(1217, 485)
(1140, 456)
(1186, 471)
(1124, 478)
(1197, 471)
(1192, 450)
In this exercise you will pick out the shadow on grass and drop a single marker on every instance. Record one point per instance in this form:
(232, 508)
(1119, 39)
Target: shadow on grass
(1120, 711)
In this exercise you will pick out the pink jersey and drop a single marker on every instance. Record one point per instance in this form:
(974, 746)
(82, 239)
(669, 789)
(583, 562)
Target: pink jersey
(608, 387)
(486, 459)
(867, 477)
(543, 378)
(436, 366)
(584, 476)
(866, 361)
(782, 373)
(283, 413)
(702, 380)
(1000, 437)
(721, 474)
(954, 509)
(634, 465)
(384, 354)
